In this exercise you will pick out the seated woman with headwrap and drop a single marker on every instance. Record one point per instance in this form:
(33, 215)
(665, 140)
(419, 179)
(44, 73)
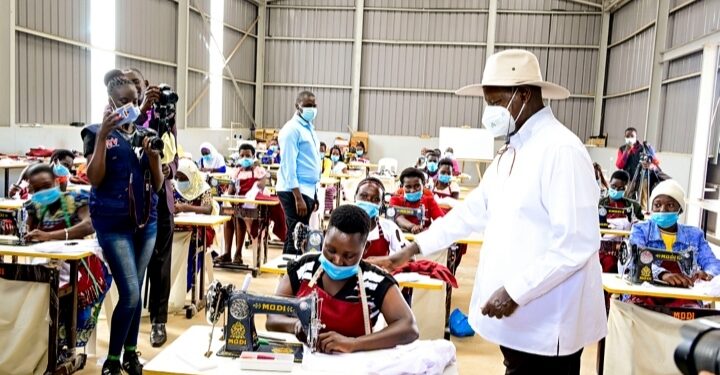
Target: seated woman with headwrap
(664, 232)
(211, 161)
(192, 195)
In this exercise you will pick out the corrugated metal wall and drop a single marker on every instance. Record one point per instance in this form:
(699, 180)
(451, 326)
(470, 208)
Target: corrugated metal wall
(296, 60)
(239, 15)
(52, 78)
(432, 70)
(628, 69)
(679, 97)
(415, 54)
(147, 28)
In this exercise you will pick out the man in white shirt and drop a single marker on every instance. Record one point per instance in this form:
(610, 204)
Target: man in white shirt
(538, 289)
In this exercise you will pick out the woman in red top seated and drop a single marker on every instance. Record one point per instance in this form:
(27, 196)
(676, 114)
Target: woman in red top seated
(413, 195)
(354, 293)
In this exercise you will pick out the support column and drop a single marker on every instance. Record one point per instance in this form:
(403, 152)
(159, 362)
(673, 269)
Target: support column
(356, 65)
(703, 126)
(653, 130)
(260, 67)
(7, 63)
(181, 72)
(601, 72)
(492, 19)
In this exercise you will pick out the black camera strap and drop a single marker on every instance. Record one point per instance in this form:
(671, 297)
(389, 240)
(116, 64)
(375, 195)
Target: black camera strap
(147, 194)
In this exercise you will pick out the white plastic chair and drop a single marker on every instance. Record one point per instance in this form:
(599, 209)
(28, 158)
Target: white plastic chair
(388, 165)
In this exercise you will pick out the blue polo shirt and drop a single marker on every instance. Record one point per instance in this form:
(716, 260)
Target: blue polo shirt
(299, 157)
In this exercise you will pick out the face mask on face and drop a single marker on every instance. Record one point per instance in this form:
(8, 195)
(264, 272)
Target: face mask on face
(183, 185)
(208, 158)
(359, 152)
(498, 120)
(47, 196)
(413, 197)
(61, 170)
(630, 140)
(308, 113)
(432, 166)
(246, 162)
(372, 209)
(445, 178)
(615, 195)
(273, 148)
(665, 219)
(337, 272)
(448, 155)
(335, 158)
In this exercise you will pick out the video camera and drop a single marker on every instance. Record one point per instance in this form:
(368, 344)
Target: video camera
(164, 107)
(700, 348)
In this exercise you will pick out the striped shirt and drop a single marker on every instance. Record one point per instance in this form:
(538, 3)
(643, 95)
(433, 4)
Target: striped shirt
(377, 282)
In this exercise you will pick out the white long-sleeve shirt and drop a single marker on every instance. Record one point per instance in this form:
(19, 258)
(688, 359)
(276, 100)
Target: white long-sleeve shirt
(541, 239)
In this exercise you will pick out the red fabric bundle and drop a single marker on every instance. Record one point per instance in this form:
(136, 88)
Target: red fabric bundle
(40, 152)
(427, 267)
(275, 214)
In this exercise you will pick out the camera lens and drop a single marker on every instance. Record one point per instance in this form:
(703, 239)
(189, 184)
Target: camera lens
(168, 97)
(157, 144)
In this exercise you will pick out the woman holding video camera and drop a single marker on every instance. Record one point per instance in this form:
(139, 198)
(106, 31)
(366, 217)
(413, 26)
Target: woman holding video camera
(125, 174)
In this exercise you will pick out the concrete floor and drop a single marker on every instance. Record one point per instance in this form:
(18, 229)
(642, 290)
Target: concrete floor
(474, 355)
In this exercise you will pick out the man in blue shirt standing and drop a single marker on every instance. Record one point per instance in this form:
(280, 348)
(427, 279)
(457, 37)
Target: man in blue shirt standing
(300, 167)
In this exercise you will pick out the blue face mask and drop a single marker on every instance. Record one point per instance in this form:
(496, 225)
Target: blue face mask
(445, 178)
(61, 170)
(432, 166)
(47, 196)
(208, 158)
(665, 219)
(308, 113)
(273, 148)
(372, 209)
(359, 152)
(335, 158)
(183, 185)
(615, 195)
(338, 272)
(413, 197)
(246, 162)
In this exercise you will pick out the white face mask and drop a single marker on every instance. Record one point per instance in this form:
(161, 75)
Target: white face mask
(498, 120)
(631, 140)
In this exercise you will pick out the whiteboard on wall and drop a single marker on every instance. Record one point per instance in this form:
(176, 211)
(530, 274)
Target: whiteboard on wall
(468, 143)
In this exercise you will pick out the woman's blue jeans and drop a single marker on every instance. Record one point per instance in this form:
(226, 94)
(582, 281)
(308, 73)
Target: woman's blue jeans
(127, 254)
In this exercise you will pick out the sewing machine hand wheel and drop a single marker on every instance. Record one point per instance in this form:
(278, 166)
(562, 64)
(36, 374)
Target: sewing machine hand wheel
(216, 298)
(300, 235)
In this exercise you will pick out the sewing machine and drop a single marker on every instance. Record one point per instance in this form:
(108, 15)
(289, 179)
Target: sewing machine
(14, 226)
(307, 239)
(395, 211)
(239, 332)
(635, 263)
(218, 183)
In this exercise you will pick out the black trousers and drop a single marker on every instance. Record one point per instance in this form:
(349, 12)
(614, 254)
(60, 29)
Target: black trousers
(287, 199)
(158, 269)
(520, 363)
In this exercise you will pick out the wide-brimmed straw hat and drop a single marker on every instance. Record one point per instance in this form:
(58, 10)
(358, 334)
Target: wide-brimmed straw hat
(514, 67)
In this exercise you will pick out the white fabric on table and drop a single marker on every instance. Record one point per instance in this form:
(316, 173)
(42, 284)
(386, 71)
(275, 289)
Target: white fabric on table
(24, 325)
(640, 341)
(419, 357)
